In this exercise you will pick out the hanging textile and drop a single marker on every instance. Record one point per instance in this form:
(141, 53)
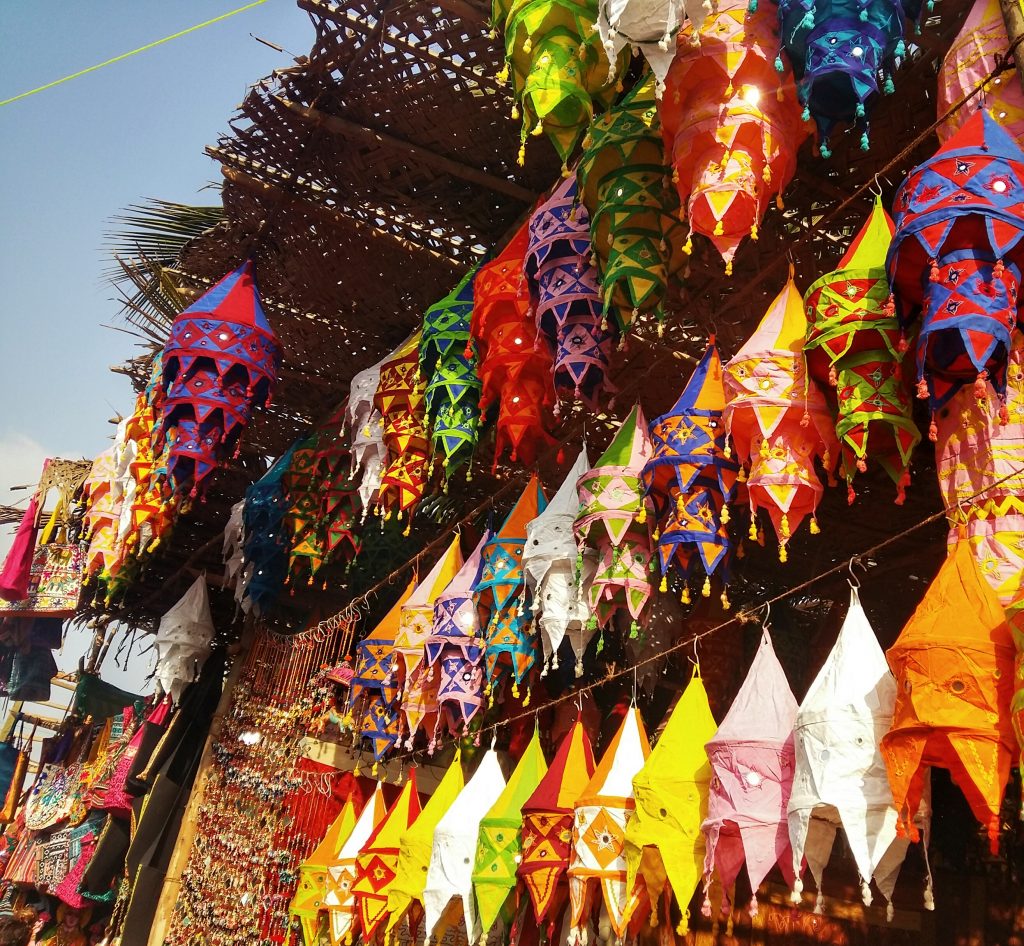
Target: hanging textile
(731, 124)
(301, 521)
(183, 640)
(102, 513)
(690, 479)
(853, 345)
(550, 559)
(778, 420)
(634, 212)
(612, 521)
(752, 777)
(566, 294)
(369, 454)
(664, 844)
(220, 361)
(956, 259)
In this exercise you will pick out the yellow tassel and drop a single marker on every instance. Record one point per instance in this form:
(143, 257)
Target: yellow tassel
(784, 524)
(515, 689)
(753, 232)
(538, 129)
(656, 534)
(688, 246)
(706, 590)
(728, 268)
(522, 154)
(373, 770)
(408, 528)
(515, 112)
(783, 554)
(526, 702)
(779, 205)
(680, 504)
(729, 90)
(728, 450)
(764, 449)
(719, 229)
(642, 516)
(502, 76)
(814, 526)
(752, 534)
(356, 770)
(725, 514)
(528, 45)
(685, 596)
(487, 689)
(726, 603)
(664, 584)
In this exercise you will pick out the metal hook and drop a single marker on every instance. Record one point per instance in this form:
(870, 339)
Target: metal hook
(579, 702)
(765, 621)
(877, 193)
(853, 579)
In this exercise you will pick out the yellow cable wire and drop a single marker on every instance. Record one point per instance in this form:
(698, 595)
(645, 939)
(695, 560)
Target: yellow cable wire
(141, 49)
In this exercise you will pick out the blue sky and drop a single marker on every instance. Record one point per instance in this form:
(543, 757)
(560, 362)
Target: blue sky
(74, 156)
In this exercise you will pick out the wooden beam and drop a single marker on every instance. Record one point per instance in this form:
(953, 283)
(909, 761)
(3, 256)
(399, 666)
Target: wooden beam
(1013, 18)
(343, 127)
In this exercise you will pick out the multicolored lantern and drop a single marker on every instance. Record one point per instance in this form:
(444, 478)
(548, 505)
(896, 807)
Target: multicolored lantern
(778, 420)
(220, 361)
(664, 844)
(498, 845)
(302, 520)
(448, 362)
(731, 124)
(634, 212)
(558, 68)
(548, 816)
(752, 758)
(514, 367)
(612, 521)
(970, 59)
(103, 510)
(501, 598)
(560, 596)
(953, 664)
(566, 293)
(956, 259)
(844, 53)
(603, 810)
(853, 344)
(690, 479)
(840, 779)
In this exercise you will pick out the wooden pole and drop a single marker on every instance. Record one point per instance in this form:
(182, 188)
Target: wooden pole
(189, 822)
(1013, 18)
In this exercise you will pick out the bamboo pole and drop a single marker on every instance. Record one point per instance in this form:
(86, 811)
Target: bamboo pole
(1013, 18)
(189, 822)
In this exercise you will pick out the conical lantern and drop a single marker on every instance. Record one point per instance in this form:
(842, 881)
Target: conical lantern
(664, 844)
(690, 478)
(778, 420)
(183, 640)
(844, 53)
(560, 598)
(956, 256)
(634, 211)
(970, 59)
(377, 860)
(558, 68)
(450, 874)
(731, 124)
(1015, 619)
(853, 344)
(514, 367)
(597, 870)
(953, 664)
(416, 844)
(752, 758)
(840, 779)
(340, 902)
(338, 492)
(448, 362)
(220, 361)
(400, 400)
(302, 520)
(501, 598)
(455, 648)
(566, 293)
(548, 816)
(498, 844)
(612, 520)
(103, 510)
(367, 431)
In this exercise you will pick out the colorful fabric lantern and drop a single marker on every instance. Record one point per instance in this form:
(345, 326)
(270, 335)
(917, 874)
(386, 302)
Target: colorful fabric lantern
(448, 362)
(1015, 619)
(731, 124)
(844, 53)
(451, 856)
(314, 870)
(752, 758)
(664, 844)
(103, 510)
(971, 57)
(456, 645)
(558, 68)
(340, 901)
(612, 521)
(514, 368)
(956, 258)
(566, 293)
(634, 212)
(778, 420)
(183, 640)
(498, 844)
(400, 400)
(415, 847)
(220, 361)
(559, 595)
(339, 509)
(301, 521)
(840, 778)
(690, 478)
(853, 344)
(953, 664)
(548, 816)
(377, 861)
(501, 597)
(603, 810)
(367, 431)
